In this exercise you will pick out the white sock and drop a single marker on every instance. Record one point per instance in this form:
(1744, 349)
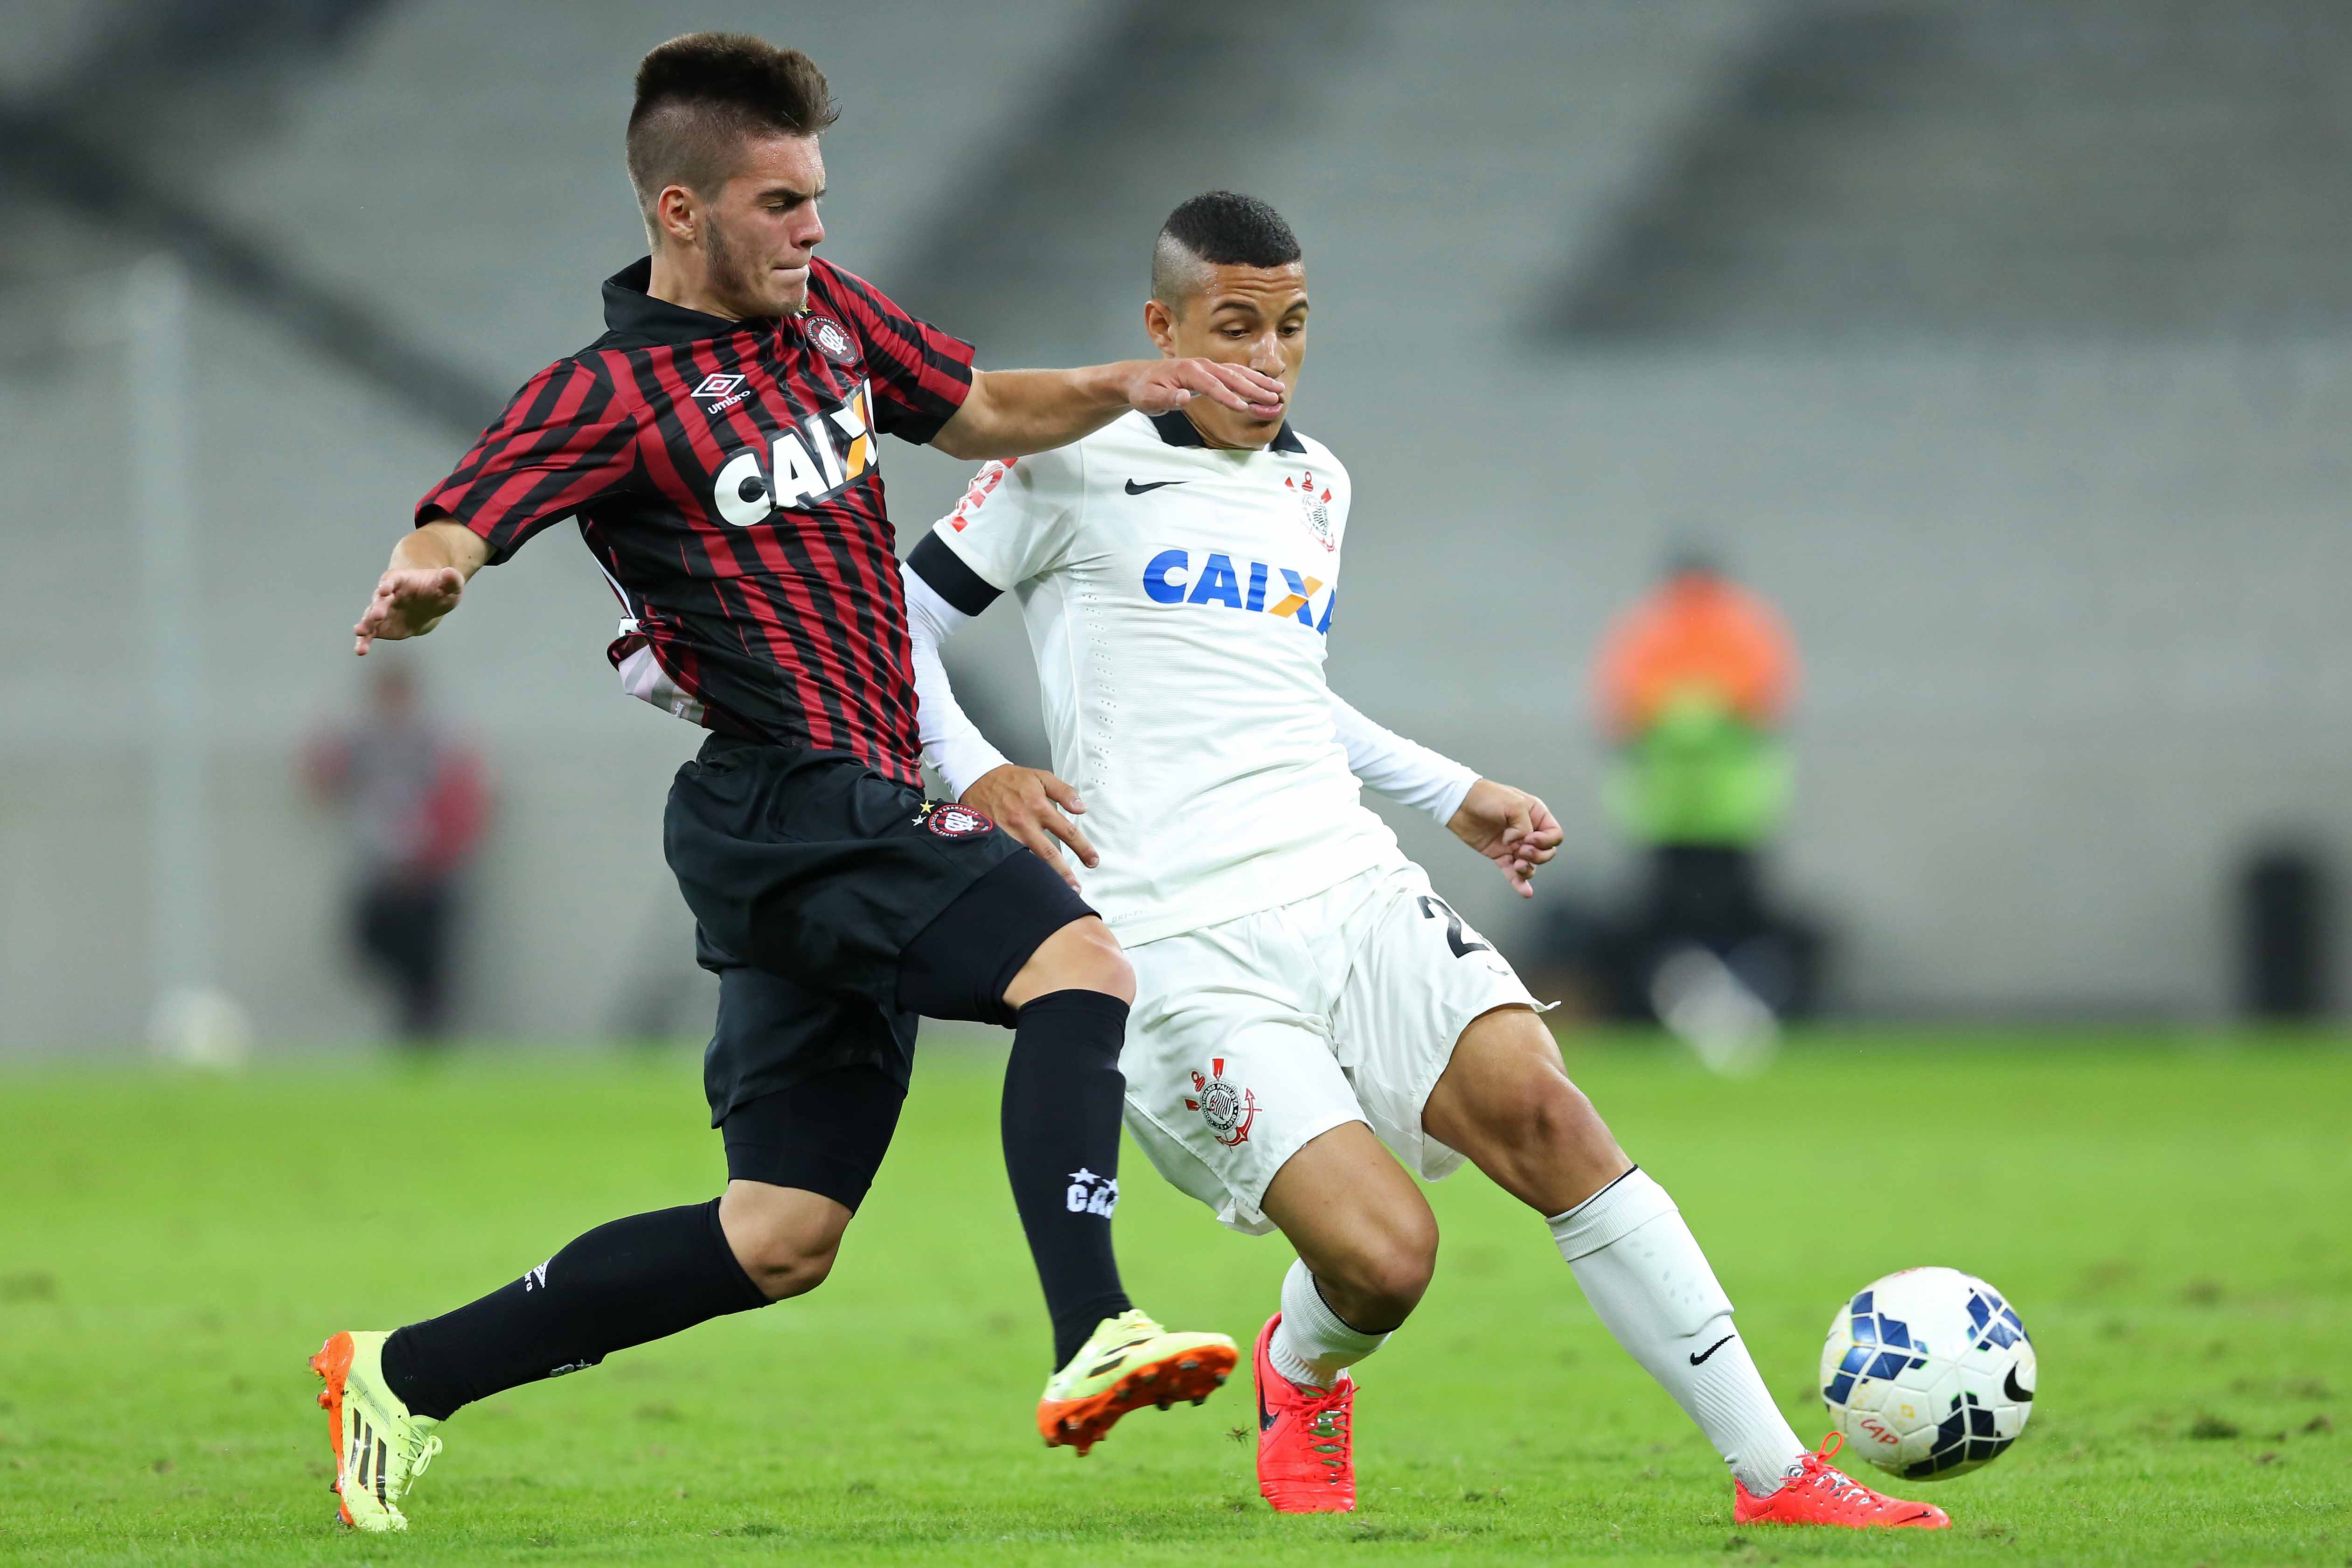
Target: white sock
(1311, 1345)
(1651, 1285)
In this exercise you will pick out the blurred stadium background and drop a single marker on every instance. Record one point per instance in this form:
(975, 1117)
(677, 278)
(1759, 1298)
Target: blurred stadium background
(2006, 345)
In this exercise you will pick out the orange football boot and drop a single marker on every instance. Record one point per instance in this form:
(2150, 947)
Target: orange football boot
(1129, 1361)
(1305, 1439)
(379, 1446)
(1818, 1494)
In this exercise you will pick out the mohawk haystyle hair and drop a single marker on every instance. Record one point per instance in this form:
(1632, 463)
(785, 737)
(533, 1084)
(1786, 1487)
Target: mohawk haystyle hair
(700, 96)
(1216, 228)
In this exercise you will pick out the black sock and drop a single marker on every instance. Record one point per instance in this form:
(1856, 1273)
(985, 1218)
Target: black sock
(639, 1278)
(1063, 1092)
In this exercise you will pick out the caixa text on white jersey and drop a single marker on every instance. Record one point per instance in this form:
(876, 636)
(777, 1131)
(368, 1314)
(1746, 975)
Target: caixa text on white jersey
(1178, 577)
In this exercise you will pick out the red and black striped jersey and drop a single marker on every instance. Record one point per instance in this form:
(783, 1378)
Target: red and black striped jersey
(726, 477)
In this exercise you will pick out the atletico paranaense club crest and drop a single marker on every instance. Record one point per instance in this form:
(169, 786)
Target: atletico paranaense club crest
(1316, 503)
(1227, 1107)
(948, 820)
(829, 338)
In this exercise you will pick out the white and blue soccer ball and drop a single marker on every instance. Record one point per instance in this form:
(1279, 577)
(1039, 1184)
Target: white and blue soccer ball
(1928, 1373)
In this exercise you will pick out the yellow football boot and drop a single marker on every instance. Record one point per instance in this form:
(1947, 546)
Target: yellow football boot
(1131, 1362)
(380, 1448)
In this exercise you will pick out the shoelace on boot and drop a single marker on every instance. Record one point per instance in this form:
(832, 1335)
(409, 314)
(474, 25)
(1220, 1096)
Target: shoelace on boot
(1327, 1419)
(1814, 1470)
(419, 1460)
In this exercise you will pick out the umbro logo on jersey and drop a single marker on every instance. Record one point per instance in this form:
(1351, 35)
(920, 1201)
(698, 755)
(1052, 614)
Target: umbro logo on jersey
(726, 391)
(818, 458)
(1134, 490)
(1190, 577)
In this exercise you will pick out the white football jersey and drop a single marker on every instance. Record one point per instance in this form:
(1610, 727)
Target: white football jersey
(1179, 597)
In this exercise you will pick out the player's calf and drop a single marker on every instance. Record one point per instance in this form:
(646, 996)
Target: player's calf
(1505, 1102)
(1020, 947)
(624, 1283)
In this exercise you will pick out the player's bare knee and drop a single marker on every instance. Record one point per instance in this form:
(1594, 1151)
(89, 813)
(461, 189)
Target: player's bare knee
(1556, 1114)
(786, 1239)
(1081, 956)
(786, 1266)
(1402, 1277)
(1113, 975)
(1385, 1274)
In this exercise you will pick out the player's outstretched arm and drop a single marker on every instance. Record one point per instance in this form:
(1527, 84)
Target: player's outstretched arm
(1510, 828)
(423, 583)
(1013, 413)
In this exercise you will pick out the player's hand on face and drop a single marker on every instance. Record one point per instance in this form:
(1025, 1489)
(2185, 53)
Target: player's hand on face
(1162, 384)
(1028, 803)
(1510, 828)
(409, 602)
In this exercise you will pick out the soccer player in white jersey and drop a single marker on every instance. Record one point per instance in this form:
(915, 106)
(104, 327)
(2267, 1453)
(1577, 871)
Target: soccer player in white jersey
(1303, 996)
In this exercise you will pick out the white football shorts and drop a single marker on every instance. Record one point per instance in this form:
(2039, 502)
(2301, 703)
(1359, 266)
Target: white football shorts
(1251, 1037)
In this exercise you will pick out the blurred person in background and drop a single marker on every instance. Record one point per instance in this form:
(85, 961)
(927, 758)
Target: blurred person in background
(1692, 684)
(417, 797)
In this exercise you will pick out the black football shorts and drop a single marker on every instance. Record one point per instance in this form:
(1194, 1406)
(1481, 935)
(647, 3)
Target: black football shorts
(836, 906)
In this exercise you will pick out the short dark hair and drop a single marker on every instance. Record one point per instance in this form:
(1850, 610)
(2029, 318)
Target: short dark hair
(1216, 228)
(699, 99)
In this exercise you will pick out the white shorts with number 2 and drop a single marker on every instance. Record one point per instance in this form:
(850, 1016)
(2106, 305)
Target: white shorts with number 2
(1251, 1037)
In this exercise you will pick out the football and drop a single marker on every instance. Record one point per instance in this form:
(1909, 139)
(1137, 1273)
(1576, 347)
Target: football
(1928, 1373)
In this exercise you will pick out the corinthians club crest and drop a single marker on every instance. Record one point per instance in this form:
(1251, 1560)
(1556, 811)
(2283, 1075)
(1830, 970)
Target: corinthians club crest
(1316, 506)
(1228, 1111)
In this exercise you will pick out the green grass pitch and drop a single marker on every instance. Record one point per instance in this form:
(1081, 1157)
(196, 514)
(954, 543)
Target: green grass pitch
(2173, 1219)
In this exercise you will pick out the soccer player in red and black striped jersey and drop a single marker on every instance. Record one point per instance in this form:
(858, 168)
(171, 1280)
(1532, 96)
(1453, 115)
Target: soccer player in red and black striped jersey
(720, 447)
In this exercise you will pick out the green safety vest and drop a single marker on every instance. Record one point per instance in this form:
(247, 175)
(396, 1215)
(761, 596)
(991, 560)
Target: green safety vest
(1700, 774)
